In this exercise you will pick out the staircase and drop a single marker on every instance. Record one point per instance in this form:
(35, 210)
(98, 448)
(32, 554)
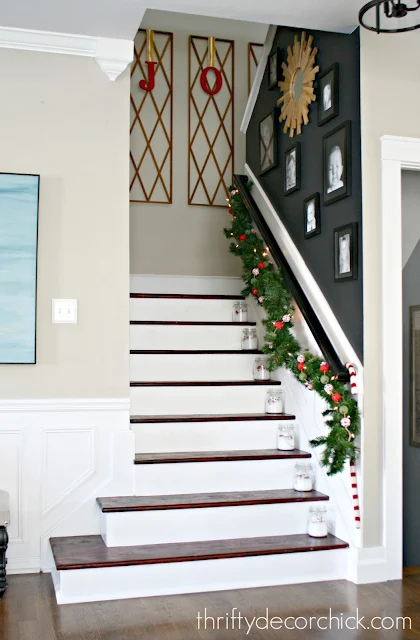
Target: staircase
(213, 507)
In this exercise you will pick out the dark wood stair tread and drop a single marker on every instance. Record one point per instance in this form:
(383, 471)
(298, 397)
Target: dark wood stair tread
(219, 456)
(90, 552)
(212, 417)
(203, 500)
(205, 383)
(185, 296)
(194, 352)
(195, 323)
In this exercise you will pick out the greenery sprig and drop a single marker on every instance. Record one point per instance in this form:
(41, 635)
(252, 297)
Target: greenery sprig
(267, 286)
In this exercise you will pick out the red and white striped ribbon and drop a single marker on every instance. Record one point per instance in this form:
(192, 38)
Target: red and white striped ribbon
(353, 378)
(355, 494)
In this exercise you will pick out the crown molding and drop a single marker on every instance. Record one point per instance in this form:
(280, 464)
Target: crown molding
(112, 55)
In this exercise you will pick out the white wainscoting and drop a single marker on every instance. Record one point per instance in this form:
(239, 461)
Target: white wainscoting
(56, 457)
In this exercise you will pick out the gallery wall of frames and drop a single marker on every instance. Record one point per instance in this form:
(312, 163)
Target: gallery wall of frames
(309, 162)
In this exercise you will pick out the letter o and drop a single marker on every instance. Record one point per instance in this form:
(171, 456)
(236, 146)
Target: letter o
(204, 83)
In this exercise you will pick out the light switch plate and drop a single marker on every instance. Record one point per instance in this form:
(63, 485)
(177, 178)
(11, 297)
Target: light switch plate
(64, 311)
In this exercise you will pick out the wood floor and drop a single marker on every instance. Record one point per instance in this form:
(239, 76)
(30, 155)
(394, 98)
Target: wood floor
(28, 611)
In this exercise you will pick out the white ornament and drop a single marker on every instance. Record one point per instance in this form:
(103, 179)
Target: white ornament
(261, 299)
(255, 271)
(310, 387)
(328, 389)
(345, 422)
(301, 358)
(286, 318)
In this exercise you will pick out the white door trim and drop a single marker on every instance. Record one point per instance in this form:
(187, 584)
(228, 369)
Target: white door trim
(397, 154)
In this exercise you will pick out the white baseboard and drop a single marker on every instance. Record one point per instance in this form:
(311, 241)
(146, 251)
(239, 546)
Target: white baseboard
(23, 565)
(367, 565)
(201, 285)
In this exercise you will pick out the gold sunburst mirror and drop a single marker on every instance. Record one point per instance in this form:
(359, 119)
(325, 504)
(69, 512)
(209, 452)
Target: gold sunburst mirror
(298, 84)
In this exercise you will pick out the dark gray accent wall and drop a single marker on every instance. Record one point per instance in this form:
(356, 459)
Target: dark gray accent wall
(411, 521)
(345, 298)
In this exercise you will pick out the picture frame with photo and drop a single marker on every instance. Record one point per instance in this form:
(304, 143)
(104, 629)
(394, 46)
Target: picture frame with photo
(328, 95)
(274, 68)
(268, 143)
(292, 172)
(336, 160)
(311, 216)
(345, 252)
(414, 312)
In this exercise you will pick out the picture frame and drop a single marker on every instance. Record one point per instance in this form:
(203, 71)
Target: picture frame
(328, 94)
(311, 216)
(19, 214)
(292, 169)
(274, 69)
(268, 143)
(414, 323)
(336, 161)
(346, 252)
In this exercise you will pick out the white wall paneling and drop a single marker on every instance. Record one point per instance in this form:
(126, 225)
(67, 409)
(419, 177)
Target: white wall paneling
(56, 457)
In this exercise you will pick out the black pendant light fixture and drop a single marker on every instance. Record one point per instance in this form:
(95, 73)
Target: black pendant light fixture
(387, 16)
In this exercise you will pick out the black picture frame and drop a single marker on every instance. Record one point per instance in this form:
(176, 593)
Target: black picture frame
(336, 161)
(328, 78)
(346, 260)
(274, 68)
(268, 146)
(290, 185)
(414, 312)
(315, 230)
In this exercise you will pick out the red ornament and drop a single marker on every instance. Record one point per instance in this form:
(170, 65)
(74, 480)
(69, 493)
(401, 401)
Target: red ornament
(254, 292)
(242, 236)
(230, 211)
(205, 85)
(301, 366)
(261, 265)
(336, 397)
(324, 368)
(149, 84)
(279, 325)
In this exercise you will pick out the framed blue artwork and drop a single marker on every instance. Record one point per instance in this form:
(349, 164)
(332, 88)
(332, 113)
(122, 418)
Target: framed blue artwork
(19, 197)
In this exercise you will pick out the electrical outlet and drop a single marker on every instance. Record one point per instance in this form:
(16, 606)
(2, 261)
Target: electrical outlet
(64, 311)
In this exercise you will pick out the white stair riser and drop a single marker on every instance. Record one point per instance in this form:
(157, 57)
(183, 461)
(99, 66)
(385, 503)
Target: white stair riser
(213, 523)
(175, 337)
(189, 367)
(187, 400)
(181, 309)
(206, 436)
(90, 585)
(203, 477)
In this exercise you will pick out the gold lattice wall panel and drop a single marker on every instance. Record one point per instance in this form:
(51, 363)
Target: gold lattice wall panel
(151, 122)
(254, 55)
(211, 125)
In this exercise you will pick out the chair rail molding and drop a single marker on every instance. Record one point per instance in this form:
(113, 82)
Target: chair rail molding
(113, 55)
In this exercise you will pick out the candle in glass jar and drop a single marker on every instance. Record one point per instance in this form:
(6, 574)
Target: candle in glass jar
(261, 371)
(285, 437)
(274, 401)
(318, 525)
(303, 477)
(240, 312)
(249, 339)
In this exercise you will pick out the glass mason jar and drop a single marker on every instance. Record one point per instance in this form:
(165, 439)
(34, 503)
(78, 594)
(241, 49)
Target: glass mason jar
(249, 339)
(274, 402)
(304, 477)
(240, 312)
(285, 437)
(317, 522)
(261, 371)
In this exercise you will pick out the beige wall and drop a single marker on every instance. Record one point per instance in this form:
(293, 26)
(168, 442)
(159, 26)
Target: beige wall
(390, 95)
(61, 117)
(179, 239)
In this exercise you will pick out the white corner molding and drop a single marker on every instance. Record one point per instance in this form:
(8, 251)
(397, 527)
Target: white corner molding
(259, 74)
(113, 55)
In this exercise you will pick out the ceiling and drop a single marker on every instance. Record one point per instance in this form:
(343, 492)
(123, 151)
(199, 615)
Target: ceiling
(121, 18)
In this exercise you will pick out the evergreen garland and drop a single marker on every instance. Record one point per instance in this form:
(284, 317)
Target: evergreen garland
(267, 286)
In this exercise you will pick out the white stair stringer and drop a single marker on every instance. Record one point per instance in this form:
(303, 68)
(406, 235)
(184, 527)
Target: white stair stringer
(209, 523)
(115, 583)
(202, 477)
